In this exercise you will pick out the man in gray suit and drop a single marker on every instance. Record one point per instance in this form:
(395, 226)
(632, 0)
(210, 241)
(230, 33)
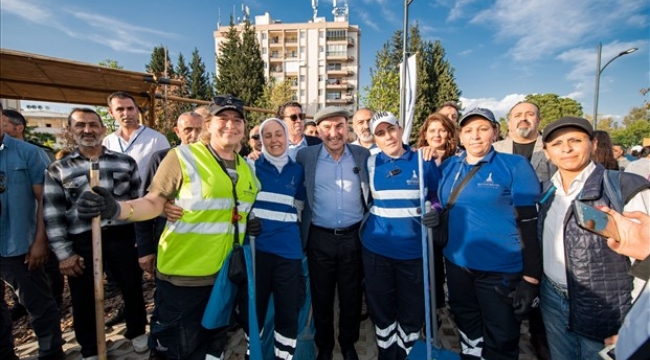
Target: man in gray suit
(524, 139)
(336, 181)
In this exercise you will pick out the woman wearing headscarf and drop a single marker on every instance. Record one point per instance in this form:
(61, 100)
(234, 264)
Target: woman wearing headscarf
(279, 247)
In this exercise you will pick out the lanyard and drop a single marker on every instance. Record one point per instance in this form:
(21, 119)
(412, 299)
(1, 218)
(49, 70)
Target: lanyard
(119, 140)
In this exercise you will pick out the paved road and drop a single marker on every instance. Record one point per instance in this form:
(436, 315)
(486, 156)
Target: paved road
(122, 349)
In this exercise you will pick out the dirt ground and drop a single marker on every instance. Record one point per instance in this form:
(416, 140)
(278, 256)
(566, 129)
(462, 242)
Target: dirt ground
(22, 330)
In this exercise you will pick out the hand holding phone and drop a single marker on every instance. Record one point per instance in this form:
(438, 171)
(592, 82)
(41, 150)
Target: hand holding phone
(596, 221)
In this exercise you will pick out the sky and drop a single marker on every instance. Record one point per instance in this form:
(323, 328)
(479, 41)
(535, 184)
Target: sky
(501, 50)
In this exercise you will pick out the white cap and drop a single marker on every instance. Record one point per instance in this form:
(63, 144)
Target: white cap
(636, 148)
(382, 117)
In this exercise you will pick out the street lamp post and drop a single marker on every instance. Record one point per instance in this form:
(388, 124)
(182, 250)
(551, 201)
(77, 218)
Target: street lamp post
(599, 71)
(402, 92)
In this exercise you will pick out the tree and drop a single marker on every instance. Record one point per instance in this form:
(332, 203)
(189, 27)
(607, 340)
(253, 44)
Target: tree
(241, 68)
(159, 62)
(109, 122)
(636, 127)
(275, 94)
(435, 77)
(183, 74)
(199, 85)
(381, 94)
(553, 107)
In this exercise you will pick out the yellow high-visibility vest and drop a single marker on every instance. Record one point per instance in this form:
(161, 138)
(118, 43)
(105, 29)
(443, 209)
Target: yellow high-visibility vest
(197, 244)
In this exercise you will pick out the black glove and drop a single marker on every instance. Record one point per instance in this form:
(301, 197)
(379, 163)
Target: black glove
(526, 297)
(431, 219)
(100, 202)
(253, 226)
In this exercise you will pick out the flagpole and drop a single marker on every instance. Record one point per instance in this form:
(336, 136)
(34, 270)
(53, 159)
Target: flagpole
(402, 90)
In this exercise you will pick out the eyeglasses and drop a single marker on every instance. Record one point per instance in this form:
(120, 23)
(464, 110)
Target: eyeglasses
(295, 117)
(255, 136)
(3, 179)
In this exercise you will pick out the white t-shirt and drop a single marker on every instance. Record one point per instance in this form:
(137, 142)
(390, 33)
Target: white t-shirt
(143, 143)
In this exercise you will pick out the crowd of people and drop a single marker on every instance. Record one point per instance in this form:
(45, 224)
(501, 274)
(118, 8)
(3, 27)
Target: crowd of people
(510, 243)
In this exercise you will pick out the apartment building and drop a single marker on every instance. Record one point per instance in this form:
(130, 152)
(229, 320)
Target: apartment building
(319, 57)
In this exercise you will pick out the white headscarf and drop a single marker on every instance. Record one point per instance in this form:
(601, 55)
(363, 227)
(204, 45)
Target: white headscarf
(278, 161)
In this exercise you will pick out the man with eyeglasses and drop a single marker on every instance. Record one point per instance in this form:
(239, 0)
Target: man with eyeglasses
(254, 139)
(23, 244)
(292, 115)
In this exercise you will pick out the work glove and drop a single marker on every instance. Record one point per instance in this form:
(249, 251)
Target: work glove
(99, 202)
(253, 225)
(526, 297)
(431, 219)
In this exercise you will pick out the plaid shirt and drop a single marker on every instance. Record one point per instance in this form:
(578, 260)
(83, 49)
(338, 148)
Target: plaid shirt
(67, 179)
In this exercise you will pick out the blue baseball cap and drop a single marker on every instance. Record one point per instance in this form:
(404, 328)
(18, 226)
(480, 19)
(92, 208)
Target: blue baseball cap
(487, 114)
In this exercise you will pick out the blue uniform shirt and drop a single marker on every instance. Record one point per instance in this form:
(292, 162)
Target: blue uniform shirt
(393, 227)
(275, 206)
(483, 231)
(22, 165)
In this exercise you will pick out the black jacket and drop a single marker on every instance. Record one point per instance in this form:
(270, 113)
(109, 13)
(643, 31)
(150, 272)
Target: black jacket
(598, 281)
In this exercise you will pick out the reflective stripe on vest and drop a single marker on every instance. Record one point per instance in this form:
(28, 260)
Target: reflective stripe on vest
(198, 242)
(380, 196)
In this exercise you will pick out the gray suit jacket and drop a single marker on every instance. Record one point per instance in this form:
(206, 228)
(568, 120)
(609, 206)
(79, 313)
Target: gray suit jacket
(543, 167)
(308, 157)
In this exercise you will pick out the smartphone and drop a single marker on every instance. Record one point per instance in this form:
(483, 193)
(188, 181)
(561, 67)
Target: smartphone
(608, 353)
(596, 221)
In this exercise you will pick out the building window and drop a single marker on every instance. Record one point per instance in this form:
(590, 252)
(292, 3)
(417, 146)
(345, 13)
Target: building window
(302, 49)
(337, 35)
(321, 78)
(48, 125)
(263, 51)
(302, 92)
(320, 92)
(333, 66)
(333, 95)
(302, 34)
(321, 34)
(321, 49)
(263, 36)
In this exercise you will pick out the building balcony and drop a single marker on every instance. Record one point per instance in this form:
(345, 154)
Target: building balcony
(339, 85)
(344, 99)
(340, 72)
(339, 56)
(291, 41)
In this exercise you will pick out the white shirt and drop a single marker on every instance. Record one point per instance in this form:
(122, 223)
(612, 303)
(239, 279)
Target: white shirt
(553, 234)
(141, 145)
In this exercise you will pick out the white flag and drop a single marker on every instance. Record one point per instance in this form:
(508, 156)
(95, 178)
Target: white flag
(410, 96)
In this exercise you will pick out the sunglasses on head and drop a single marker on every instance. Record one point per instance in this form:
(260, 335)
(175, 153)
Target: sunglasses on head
(295, 117)
(255, 136)
(225, 100)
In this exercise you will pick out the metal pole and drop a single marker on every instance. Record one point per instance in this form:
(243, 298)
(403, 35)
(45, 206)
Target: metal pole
(597, 88)
(402, 90)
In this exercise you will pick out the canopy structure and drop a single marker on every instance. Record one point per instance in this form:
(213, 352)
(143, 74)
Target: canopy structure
(28, 76)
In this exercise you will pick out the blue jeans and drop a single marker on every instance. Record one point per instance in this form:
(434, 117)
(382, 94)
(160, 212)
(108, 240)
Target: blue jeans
(563, 343)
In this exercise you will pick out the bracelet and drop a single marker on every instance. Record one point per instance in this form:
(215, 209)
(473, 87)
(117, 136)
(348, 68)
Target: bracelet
(130, 213)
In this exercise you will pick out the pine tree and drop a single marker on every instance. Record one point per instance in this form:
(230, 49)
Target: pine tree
(183, 73)
(241, 68)
(227, 61)
(435, 77)
(199, 84)
(156, 64)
